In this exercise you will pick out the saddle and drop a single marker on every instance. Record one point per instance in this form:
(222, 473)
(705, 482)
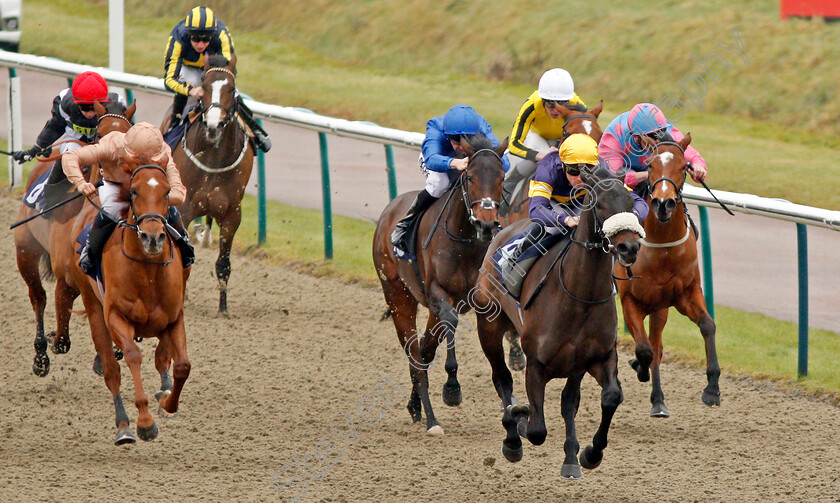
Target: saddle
(515, 258)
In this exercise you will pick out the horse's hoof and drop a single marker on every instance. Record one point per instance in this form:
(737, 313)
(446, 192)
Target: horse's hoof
(452, 394)
(512, 454)
(415, 411)
(125, 436)
(659, 410)
(41, 365)
(59, 346)
(516, 358)
(571, 472)
(642, 372)
(435, 431)
(160, 396)
(148, 433)
(519, 413)
(97, 366)
(711, 399)
(589, 459)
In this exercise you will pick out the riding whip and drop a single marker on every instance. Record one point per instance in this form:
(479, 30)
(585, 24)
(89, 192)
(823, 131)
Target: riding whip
(62, 203)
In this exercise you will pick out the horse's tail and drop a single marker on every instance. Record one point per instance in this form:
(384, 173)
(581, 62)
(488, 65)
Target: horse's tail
(45, 266)
(80, 312)
(387, 314)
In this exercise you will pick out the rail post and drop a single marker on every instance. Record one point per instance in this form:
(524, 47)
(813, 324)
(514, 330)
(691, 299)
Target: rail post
(706, 246)
(15, 127)
(262, 218)
(325, 190)
(802, 248)
(392, 171)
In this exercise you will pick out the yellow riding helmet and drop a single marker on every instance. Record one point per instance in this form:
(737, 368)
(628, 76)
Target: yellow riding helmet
(579, 149)
(201, 19)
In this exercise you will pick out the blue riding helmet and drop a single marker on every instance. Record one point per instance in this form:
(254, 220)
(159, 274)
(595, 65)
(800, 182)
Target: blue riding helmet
(646, 118)
(460, 120)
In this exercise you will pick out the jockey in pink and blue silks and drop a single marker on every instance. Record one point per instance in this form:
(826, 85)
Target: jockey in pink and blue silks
(621, 150)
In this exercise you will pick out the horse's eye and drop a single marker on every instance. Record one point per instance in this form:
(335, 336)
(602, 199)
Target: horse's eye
(469, 178)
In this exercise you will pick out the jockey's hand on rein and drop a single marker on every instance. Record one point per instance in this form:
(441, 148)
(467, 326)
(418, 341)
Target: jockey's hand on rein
(21, 156)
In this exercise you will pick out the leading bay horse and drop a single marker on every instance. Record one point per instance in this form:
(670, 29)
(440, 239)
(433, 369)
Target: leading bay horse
(43, 240)
(567, 330)
(215, 159)
(452, 237)
(666, 274)
(142, 296)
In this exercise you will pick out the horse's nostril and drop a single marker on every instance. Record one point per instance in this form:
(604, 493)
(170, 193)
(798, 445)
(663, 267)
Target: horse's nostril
(670, 205)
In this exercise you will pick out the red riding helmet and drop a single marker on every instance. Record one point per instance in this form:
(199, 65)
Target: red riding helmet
(89, 87)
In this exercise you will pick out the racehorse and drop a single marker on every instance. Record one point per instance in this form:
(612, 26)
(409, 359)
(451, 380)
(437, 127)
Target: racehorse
(43, 240)
(142, 296)
(567, 330)
(666, 274)
(215, 158)
(453, 235)
(575, 122)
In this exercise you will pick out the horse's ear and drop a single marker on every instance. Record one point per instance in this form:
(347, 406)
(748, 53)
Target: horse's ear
(598, 109)
(99, 108)
(129, 112)
(646, 143)
(500, 150)
(468, 149)
(685, 141)
(232, 64)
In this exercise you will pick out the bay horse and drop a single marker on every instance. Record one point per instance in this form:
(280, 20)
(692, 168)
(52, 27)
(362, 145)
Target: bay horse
(567, 330)
(575, 122)
(666, 274)
(142, 296)
(452, 238)
(215, 159)
(42, 240)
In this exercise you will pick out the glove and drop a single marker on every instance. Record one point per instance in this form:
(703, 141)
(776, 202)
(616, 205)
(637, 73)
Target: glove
(21, 156)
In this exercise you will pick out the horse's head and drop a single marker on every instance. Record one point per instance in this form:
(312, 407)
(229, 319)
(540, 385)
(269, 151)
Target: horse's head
(580, 121)
(666, 174)
(481, 184)
(149, 202)
(113, 116)
(218, 107)
(611, 205)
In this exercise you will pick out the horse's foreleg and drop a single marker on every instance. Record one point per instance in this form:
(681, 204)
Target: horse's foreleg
(123, 333)
(227, 229)
(64, 297)
(657, 397)
(634, 318)
(606, 373)
(516, 357)
(177, 347)
(535, 382)
(28, 265)
(444, 330)
(570, 402)
(695, 308)
(162, 364)
(421, 351)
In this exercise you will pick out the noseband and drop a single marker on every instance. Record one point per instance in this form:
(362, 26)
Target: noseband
(677, 188)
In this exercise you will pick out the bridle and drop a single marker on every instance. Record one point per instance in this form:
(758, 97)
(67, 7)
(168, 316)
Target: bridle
(486, 203)
(573, 117)
(115, 116)
(677, 188)
(138, 220)
(229, 110)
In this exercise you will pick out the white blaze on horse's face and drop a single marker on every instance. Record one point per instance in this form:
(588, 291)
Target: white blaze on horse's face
(214, 115)
(152, 182)
(587, 126)
(665, 157)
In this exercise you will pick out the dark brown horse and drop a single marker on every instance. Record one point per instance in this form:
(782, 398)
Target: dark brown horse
(567, 330)
(667, 273)
(452, 238)
(144, 284)
(215, 160)
(575, 122)
(43, 240)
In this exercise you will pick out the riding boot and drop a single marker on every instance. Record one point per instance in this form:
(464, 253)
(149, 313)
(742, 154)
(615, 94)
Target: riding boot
(57, 186)
(178, 105)
(535, 234)
(98, 236)
(261, 141)
(173, 218)
(423, 201)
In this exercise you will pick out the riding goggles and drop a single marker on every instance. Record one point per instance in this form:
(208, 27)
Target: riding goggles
(575, 169)
(201, 37)
(553, 103)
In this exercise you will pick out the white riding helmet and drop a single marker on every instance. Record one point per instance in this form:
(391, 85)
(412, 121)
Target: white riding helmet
(556, 84)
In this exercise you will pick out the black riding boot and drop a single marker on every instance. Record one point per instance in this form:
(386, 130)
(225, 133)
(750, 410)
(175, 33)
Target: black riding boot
(99, 234)
(261, 141)
(182, 240)
(423, 201)
(178, 105)
(57, 186)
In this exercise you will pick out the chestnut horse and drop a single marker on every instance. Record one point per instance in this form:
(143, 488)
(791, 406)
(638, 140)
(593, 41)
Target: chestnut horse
(666, 274)
(575, 122)
(143, 283)
(567, 330)
(43, 240)
(452, 238)
(215, 158)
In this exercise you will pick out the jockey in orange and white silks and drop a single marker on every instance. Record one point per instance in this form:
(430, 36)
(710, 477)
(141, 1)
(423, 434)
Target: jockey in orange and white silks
(620, 150)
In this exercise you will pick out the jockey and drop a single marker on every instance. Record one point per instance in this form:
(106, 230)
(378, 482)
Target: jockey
(119, 154)
(200, 34)
(72, 116)
(442, 159)
(621, 150)
(538, 128)
(557, 191)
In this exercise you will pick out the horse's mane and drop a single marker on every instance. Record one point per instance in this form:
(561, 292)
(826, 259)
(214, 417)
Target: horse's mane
(479, 141)
(217, 61)
(115, 107)
(577, 107)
